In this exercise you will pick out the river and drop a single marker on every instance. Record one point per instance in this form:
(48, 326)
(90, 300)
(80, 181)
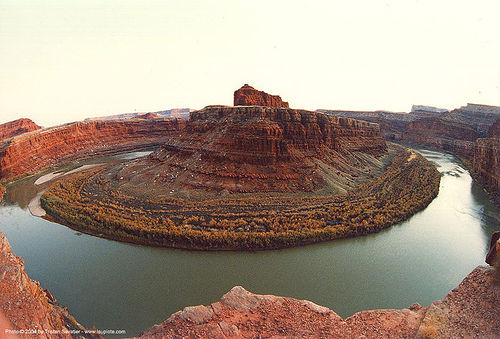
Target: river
(112, 285)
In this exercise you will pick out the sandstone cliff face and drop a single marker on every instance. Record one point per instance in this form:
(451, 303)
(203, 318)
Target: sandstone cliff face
(470, 310)
(31, 152)
(480, 117)
(249, 96)
(454, 137)
(17, 127)
(258, 149)
(2, 191)
(26, 305)
(391, 124)
(486, 161)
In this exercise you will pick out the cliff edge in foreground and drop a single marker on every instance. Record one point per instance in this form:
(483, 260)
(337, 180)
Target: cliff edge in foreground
(31, 311)
(470, 310)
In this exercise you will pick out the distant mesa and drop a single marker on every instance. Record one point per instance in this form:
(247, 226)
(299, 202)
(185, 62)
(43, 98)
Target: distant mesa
(249, 96)
(17, 127)
(149, 116)
(179, 113)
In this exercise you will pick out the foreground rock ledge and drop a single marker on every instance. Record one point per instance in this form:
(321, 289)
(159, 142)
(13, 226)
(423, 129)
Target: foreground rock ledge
(470, 310)
(26, 306)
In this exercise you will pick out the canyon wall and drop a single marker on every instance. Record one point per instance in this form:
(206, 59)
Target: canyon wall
(447, 135)
(258, 149)
(28, 153)
(486, 161)
(480, 117)
(25, 305)
(271, 132)
(17, 127)
(471, 310)
(391, 124)
(249, 96)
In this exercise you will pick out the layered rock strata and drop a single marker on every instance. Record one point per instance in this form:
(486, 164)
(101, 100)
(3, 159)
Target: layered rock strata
(33, 151)
(257, 149)
(391, 124)
(451, 136)
(471, 310)
(481, 117)
(17, 127)
(249, 96)
(27, 306)
(486, 161)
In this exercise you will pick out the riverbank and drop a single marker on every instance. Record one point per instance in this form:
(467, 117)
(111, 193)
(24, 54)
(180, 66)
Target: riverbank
(419, 260)
(85, 203)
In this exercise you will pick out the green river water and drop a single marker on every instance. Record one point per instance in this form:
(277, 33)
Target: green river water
(112, 285)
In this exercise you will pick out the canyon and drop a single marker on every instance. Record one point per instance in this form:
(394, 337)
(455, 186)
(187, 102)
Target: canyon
(30, 152)
(470, 132)
(452, 136)
(220, 156)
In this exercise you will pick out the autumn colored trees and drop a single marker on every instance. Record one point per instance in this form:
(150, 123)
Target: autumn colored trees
(88, 202)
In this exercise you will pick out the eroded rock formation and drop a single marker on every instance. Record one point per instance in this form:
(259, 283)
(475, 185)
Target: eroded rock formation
(486, 162)
(31, 152)
(391, 124)
(17, 127)
(249, 96)
(258, 149)
(26, 305)
(447, 135)
(480, 117)
(470, 310)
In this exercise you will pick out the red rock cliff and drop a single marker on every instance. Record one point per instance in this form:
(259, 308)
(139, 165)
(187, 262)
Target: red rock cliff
(257, 149)
(25, 304)
(249, 96)
(31, 152)
(486, 162)
(16, 127)
(451, 136)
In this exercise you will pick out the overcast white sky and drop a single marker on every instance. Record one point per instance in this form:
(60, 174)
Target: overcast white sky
(67, 60)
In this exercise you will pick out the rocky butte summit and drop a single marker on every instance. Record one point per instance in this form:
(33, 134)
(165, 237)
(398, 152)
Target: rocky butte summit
(249, 96)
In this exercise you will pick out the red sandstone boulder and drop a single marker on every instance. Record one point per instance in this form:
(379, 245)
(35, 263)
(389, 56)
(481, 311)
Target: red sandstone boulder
(249, 96)
(16, 127)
